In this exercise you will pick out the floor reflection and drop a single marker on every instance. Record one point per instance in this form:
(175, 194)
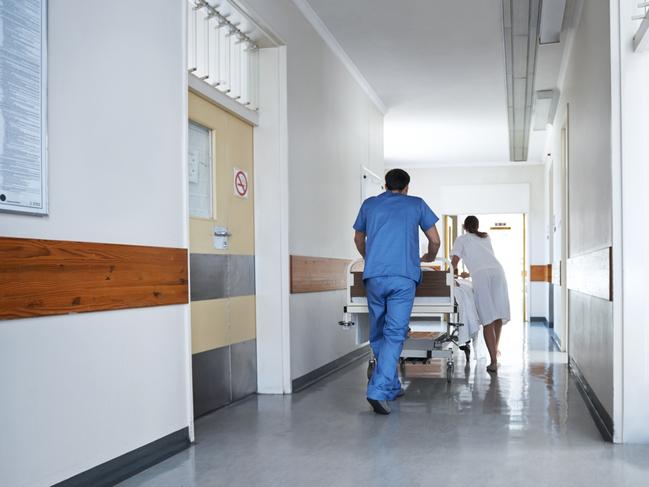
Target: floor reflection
(527, 425)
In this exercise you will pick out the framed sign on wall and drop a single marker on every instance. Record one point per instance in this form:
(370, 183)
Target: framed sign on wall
(23, 106)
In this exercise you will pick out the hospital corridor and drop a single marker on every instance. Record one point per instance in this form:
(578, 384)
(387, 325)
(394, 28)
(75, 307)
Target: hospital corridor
(324, 243)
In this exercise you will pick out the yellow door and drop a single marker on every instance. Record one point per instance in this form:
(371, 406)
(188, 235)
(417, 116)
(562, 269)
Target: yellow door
(222, 265)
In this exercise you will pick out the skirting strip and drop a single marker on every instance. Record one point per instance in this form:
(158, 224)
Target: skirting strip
(549, 325)
(601, 417)
(131, 463)
(320, 373)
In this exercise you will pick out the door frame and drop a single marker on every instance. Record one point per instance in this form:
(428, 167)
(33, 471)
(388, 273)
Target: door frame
(271, 188)
(564, 164)
(525, 271)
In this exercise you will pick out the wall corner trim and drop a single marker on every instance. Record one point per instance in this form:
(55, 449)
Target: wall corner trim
(320, 27)
(131, 463)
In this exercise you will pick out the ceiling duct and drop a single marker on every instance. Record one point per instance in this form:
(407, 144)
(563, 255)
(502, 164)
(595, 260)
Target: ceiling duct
(520, 28)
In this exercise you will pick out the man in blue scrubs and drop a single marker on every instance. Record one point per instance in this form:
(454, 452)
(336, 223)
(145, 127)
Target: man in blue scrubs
(387, 236)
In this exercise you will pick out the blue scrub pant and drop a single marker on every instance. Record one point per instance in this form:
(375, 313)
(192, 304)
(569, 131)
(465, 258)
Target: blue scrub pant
(390, 301)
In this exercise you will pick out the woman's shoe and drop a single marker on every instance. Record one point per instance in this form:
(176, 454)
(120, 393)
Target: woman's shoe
(492, 368)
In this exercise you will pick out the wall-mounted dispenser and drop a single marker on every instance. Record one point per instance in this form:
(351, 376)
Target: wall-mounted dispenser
(221, 238)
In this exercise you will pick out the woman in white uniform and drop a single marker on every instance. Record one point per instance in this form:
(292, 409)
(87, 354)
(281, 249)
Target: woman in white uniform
(489, 283)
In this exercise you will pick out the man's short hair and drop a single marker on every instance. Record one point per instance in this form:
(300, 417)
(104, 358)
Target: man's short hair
(397, 179)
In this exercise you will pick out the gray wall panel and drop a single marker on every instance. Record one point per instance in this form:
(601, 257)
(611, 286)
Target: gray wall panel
(591, 343)
(208, 277)
(587, 92)
(216, 276)
(244, 369)
(211, 373)
(241, 275)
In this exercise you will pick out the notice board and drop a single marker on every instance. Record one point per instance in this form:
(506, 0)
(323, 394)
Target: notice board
(23, 130)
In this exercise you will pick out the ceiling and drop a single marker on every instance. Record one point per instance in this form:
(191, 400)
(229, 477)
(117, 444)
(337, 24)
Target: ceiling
(439, 68)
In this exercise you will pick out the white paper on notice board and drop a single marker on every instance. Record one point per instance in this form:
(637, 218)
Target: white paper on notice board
(199, 161)
(23, 68)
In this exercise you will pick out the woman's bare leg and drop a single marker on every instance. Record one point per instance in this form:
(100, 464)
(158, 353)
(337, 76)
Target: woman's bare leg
(498, 326)
(489, 333)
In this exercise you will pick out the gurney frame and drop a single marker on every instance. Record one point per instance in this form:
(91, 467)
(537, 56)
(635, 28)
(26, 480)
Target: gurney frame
(435, 298)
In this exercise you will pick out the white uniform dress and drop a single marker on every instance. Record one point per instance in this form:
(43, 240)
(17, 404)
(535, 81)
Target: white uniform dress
(488, 276)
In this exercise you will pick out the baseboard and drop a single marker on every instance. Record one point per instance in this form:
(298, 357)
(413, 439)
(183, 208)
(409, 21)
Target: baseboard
(601, 417)
(542, 320)
(321, 372)
(131, 463)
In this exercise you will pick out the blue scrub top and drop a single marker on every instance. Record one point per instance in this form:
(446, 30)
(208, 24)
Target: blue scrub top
(391, 222)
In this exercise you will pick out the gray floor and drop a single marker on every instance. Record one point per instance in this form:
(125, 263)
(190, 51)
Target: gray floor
(526, 426)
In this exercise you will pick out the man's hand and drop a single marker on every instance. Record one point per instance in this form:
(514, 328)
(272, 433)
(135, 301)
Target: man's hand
(433, 244)
(359, 240)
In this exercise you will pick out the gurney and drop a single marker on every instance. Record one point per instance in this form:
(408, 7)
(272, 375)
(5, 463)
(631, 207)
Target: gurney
(434, 301)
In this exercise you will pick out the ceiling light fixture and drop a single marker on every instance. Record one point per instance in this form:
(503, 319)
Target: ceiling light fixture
(545, 107)
(552, 12)
(520, 28)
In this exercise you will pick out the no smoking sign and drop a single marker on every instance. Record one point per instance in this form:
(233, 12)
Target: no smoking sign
(241, 183)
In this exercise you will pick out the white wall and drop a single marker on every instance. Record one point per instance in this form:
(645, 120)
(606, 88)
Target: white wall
(333, 129)
(272, 266)
(439, 187)
(79, 390)
(586, 103)
(635, 207)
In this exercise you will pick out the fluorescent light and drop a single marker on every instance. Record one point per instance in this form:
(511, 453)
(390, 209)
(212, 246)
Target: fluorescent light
(541, 113)
(545, 107)
(552, 12)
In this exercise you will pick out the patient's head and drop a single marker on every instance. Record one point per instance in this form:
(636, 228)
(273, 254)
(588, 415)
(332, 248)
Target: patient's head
(397, 180)
(472, 224)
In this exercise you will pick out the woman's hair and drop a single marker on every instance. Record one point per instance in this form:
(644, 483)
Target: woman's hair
(471, 225)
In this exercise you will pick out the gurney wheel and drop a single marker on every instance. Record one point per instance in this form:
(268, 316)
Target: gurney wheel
(370, 368)
(450, 367)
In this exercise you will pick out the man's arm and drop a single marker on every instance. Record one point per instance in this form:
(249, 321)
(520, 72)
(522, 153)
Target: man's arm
(433, 244)
(359, 240)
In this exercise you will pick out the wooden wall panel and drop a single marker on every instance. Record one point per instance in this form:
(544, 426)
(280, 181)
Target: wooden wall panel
(315, 274)
(591, 273)
(49, 277)
(541, 273)
(433, 284)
